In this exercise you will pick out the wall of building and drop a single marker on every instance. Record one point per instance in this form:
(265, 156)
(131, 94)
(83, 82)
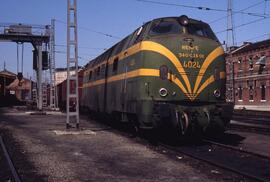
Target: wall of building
(250, 81)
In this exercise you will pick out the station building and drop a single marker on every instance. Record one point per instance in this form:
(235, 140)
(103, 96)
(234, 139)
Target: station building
(248, 75)
(12, 90)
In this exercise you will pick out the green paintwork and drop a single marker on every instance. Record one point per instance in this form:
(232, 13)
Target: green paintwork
(137, 96)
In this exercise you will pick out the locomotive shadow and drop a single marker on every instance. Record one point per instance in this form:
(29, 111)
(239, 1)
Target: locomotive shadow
(109, 124)
(154, 137)
(197, 140)
(228, 139)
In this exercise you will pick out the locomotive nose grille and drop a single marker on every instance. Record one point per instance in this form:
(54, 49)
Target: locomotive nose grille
(191, 95)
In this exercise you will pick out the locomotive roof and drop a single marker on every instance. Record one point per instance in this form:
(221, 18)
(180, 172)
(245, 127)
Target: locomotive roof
(193, 21)
(98, 58)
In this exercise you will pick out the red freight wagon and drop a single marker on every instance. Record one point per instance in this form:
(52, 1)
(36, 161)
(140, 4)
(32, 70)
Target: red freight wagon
(62, 91)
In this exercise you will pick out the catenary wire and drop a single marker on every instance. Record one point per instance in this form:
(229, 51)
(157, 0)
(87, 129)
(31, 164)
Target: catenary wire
(251, 6)
(203, 8)
(244, 24)
(91, 30)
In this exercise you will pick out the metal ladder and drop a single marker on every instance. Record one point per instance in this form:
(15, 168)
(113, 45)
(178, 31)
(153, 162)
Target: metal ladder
(72, 61)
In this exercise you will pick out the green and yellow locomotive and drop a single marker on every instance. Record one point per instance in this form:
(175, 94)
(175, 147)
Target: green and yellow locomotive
(169, 73)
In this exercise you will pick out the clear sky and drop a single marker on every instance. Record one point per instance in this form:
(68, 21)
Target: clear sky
(119, 18)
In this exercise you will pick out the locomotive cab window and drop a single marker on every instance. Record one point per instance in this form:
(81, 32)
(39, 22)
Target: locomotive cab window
(201, 30)
(165, 27)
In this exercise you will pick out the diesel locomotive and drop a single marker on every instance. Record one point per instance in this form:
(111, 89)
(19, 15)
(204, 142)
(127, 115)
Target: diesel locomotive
(168, 74)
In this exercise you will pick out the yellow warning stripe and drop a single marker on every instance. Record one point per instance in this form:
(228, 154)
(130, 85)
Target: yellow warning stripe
(209, 59)
(155, 47)
(131, 74)
(158, 48)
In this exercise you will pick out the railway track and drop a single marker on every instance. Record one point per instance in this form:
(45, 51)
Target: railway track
(250, 127)
(14, 173)
(239, 149)
(248, 164)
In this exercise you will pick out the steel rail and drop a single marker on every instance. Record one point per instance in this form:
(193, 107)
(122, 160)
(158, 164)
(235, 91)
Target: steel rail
(15, 175)
(250, 128)
(235, 148)
(211, 162)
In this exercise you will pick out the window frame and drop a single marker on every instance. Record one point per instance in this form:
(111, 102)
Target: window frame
(158, 22)
(240, 93)
(251, 93)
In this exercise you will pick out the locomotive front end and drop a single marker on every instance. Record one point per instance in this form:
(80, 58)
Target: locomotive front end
(190, 92)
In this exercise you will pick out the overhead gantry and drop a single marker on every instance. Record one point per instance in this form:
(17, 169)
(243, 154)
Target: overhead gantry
(20, 33)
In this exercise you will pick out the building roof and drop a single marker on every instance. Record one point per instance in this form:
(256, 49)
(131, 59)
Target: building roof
(251, 46)
(7, 73)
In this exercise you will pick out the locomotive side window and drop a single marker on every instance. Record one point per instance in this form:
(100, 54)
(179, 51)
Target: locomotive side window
(98, 71)
(90, 75)
(201, 30)
(102, 69)
(165, 27)
(115, 65)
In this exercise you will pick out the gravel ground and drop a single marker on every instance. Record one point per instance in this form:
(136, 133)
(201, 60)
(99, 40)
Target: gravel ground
(96, 153)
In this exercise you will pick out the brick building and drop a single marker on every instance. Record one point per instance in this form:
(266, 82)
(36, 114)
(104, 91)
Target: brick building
(248, 74)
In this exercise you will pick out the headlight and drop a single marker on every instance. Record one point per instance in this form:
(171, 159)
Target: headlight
(183, 20)
(163, 92)
(217, 93)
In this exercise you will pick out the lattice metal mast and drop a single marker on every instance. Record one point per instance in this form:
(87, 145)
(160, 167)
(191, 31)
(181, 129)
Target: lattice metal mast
(53, 88)
(230, 38)
(72, 61)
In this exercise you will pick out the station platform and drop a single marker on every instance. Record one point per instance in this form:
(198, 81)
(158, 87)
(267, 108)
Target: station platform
(247, 110)
(265, 108)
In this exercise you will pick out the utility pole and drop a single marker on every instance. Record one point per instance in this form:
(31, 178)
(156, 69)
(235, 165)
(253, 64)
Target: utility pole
(72, 61)
(39, 76)
(230, 38)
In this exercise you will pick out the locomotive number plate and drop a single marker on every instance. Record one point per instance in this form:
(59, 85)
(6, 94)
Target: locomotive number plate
(191, 64)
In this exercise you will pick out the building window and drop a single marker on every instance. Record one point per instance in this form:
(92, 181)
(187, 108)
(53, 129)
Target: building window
(240, 93)
(240, 64)
(250, 62)
(251, 90)
(261, 62)
(263, 93)
(231, 71)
